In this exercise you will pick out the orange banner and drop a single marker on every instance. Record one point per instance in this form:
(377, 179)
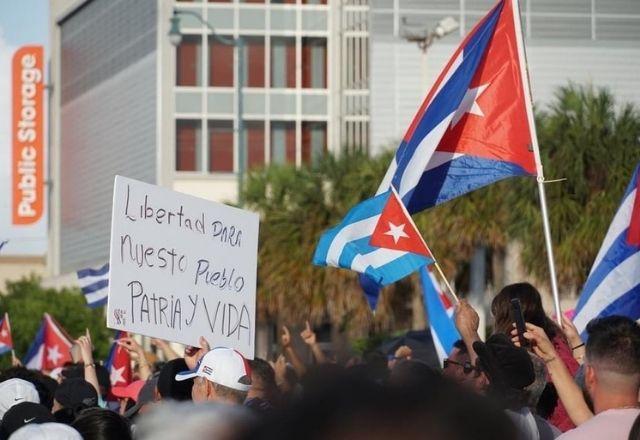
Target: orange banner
(28, 135)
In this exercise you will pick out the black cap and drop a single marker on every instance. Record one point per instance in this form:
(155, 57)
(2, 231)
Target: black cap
(76, 394)
(506, 365)
(22, 414)
(168, 386)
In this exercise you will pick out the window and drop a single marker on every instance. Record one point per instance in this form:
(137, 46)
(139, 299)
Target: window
(314, 63)
(283, 142)
(221, 146)
(314, 2)
(283, 62)
(188, 141)
(282, 1)
(189, 61)
(220, 64)
(314, 141)
(254, 62)
(254, 143)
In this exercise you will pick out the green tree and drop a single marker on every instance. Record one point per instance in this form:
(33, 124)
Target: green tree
(26, 301)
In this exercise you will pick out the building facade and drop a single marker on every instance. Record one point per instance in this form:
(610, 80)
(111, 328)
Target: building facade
(126, 101)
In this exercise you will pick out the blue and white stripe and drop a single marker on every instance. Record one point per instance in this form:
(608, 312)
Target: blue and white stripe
(347, 246)
(95, 285)
(443, 329)
(613, 286)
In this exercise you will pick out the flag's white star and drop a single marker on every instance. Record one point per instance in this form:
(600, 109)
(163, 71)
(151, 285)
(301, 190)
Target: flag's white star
(396, 231)
(53, 354)
(469, 104)
(116, 375)
(4, 333)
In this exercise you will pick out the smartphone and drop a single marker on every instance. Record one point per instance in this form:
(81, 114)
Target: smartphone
(518, 318)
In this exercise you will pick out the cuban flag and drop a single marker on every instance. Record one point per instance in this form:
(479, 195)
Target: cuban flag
(613, 285)
(6, 341)
(376, 238)
(94, 284)
(119, 363)
(51, 347)
(473, 127)
(440, 312)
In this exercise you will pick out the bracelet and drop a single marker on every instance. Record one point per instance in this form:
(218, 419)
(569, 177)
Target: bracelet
(93, 364)
(577, 346)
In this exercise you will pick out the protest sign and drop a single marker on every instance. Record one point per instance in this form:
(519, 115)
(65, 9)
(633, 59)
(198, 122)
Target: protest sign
(182, 267)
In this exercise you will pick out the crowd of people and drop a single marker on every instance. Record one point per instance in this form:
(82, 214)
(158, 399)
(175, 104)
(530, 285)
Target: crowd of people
(542, 384)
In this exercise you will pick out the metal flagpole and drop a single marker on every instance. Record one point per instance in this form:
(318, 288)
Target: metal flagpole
(524, 74)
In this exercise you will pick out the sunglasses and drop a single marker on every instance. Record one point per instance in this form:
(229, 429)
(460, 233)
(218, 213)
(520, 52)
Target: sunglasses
(466, 366)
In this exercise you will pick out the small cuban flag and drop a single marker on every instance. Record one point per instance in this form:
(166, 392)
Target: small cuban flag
(94, 284)
(6, 341)
(376, 238)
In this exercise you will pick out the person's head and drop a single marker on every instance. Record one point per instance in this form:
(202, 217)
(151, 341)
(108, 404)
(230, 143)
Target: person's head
(402, 353)
(49, 431)
(104, 381)
(508, 369)
(71, 397)
(222, 375)
(532, 311)
(612, 361)
(22, 414)
(14, 391)
(168, 387)
(263, 380)
(102, 424)
(410, 373)
(458, 367)
(44, 385)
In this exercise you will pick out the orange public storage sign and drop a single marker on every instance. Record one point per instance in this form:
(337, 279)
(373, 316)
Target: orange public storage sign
(28, 135)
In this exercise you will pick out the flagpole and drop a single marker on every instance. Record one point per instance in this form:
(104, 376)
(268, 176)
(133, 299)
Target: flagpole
(446, 282)
(536, 151)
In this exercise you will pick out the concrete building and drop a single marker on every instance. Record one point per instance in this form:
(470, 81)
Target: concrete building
(125, 101)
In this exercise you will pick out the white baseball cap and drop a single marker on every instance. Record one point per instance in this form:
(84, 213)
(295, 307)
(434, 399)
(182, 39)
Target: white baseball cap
(14, 391)
(223, 366)
(46, 431)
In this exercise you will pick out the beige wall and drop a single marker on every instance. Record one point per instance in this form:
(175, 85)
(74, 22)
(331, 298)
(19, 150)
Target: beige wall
(14, 268)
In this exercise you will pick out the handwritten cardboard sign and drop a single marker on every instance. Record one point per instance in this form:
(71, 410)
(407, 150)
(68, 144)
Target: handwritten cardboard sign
(182, 267)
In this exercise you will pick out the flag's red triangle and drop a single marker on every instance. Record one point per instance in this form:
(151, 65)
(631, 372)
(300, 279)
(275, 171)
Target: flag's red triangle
(395, 229)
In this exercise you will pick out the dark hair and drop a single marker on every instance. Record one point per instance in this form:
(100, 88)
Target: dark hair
(532, 310)
(634, 433)
(104, 380)
(45, 386)
(265, 374)
(168, 386)
(614, 344)
(410, 373)
(102, 424)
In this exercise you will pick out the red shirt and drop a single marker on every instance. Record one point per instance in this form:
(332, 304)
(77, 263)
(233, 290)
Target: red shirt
(560, 418)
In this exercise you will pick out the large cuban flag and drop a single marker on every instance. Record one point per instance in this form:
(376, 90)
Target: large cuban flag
(376, 238)
(473, 127)
(440, 312)
(613, 286)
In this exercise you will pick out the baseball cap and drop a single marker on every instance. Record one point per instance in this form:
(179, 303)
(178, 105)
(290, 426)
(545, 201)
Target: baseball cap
(223, 366)
(505, 364)
(145, 395)
(46, 431)
(14, 391)
(131, 391)
(22, 414)
(76, 393)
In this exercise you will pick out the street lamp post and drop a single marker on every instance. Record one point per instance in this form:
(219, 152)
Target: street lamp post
(175, 37)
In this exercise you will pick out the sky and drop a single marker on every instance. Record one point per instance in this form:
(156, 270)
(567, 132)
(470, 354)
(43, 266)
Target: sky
(22, 22)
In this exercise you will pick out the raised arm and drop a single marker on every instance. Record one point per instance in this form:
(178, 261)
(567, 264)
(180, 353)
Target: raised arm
(309, 338)
(86, 353)
(137, 353)
(568, 390)
(467, 322)
(290, 353)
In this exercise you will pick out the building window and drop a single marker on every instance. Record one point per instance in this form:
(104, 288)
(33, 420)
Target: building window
(254, 143)
(188, 141)
(314, 141)
(314, 2)
(189, 61)
(220, 63)
(254, 62)
(283, 142)
(221, 146)
(282, 1)
(314, 63)
(283, 62)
